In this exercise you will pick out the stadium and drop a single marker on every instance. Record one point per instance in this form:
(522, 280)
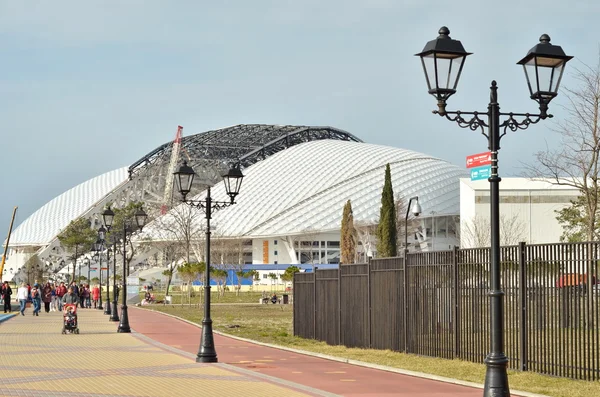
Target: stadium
(297, 180)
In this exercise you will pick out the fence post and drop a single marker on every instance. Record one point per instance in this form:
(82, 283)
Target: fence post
(340, 304)
(456, 319)
(523, 301)
(293, 306)
(369, 299)
(405, 299)
(315, 302)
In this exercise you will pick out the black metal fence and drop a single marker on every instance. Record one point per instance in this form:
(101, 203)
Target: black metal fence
(552, 306)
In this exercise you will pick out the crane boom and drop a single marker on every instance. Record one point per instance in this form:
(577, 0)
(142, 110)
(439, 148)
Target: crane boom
(7, 241)
(169, 177)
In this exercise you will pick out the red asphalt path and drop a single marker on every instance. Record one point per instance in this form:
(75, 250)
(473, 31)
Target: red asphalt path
(331, 376)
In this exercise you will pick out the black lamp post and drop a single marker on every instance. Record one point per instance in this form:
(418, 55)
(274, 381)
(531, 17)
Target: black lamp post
(99, 247)
(102, 237)
(184, 178)
(108, 216)
(140, 218)
(443, 60)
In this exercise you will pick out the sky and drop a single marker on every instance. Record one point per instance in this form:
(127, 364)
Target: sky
(90, 86)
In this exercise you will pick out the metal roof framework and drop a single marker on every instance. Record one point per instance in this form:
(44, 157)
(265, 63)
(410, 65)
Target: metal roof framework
(245, 144)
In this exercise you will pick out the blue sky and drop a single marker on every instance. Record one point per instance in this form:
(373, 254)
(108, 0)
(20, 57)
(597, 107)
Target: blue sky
(90, 86)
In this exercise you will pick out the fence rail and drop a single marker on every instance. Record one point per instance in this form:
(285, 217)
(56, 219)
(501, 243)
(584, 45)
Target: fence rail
(436, 304)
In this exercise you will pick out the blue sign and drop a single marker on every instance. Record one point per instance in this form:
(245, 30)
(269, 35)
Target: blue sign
(481, 172)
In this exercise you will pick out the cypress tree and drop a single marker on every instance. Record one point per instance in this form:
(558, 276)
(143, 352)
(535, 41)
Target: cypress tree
(348, 232)
(386, 230)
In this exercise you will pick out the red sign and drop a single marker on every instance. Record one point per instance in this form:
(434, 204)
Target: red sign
(104, 268)
(478, 160)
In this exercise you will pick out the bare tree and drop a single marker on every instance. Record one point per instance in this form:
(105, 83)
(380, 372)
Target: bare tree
(575, 162)
(476, 233)
(366, 234)
(411, 227)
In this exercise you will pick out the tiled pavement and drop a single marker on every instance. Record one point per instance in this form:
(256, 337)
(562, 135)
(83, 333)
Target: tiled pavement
(36, 360)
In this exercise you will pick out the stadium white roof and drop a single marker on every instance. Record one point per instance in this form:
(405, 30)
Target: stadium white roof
(41, 227)
(303, 189)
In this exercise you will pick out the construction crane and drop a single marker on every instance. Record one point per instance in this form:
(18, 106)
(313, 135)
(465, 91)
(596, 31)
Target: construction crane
(169, 177)
(7, 241)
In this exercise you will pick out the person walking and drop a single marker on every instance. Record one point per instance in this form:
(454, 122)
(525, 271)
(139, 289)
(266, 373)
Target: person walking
(22, 295)
(70, 297)
(6, 293)
(36, 298)
(87, 293)
(47, 296)
(95, 295)
(54, 299)
(61, 290)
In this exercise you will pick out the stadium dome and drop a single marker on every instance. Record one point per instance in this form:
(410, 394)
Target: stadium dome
(41, 227)
(297, 181)
(304, 188)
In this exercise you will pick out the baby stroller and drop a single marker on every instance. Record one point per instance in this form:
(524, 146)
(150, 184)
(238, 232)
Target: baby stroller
(70, 319)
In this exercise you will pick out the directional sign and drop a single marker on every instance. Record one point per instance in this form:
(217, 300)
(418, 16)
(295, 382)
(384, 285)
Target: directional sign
(479, 159)
(104, 268)
(481, 172)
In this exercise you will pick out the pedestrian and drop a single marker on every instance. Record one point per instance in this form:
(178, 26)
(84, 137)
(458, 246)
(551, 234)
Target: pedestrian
(6, 293)
(36, 298)
(28, 292)
(95, 295)
(54, 299)
(61, 290)
(81, 296)
(70, 297)
(87, 295)
(22, 295)
(47, 296)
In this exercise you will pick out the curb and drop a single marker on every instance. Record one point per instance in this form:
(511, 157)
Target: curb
(355, 362)
(5, 317)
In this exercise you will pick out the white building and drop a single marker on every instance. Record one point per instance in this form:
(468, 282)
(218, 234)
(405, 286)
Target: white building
(527, 210)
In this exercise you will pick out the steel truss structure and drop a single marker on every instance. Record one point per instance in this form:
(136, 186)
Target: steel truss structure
(210, 153)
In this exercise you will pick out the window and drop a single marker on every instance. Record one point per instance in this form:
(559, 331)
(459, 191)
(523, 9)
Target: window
(333, 244)
(265, 276)
(274, 242)
(275, 252)
(275, 262)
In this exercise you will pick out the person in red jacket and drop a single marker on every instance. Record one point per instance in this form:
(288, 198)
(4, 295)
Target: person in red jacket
(95, 295)
(61, 290)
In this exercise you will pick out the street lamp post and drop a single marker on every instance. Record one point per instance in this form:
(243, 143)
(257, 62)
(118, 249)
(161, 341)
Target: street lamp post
(99, 248)
(87, 263)
(184, 178)
(416, 210)
(102, 231)
(443, 59)
(140, 218)
(115, 312)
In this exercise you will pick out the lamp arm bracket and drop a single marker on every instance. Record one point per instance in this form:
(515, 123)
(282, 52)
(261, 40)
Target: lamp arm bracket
(526, 119)
(474, 123)
(214, 205)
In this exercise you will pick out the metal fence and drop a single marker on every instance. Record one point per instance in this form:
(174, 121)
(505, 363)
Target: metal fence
(551, 306)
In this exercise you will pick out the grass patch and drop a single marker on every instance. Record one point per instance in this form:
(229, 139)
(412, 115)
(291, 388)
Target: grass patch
(273, 324)
(198, 297)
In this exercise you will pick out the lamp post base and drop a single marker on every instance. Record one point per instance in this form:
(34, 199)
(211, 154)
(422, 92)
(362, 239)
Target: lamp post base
(115, 313)
(100, 307)
(207, 352)
(124, 324)
(107, 308)
(496, 377)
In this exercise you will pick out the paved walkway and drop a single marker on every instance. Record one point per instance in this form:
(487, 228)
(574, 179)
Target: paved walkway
(158, 359)
(36, 360)
(330, 376)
